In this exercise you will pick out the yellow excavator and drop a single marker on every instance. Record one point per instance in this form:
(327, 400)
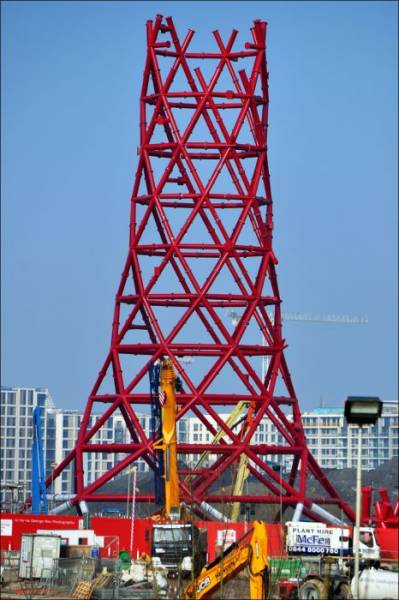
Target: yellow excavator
(250, 551)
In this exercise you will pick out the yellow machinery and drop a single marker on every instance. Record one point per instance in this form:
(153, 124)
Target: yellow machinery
(167, 397)
(250, 552)
(241, 406)
(176, 542)
(167, 444)
(242, 471)
(241, 476)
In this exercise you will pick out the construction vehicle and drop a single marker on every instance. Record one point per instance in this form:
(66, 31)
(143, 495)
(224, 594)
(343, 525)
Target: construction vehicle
(374, 584)
(251, 553)
(327, 552)
(319, 539)
(166, 445)
(179, 545)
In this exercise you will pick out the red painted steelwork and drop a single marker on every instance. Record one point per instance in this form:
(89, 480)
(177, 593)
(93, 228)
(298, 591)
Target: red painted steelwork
(200, 244)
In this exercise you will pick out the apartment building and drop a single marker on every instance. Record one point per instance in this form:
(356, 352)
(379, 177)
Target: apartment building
(334, 443)
(16, 409)
(330, 439)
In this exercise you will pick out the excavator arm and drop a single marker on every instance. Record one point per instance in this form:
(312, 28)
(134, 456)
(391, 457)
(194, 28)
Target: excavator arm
(251, 553)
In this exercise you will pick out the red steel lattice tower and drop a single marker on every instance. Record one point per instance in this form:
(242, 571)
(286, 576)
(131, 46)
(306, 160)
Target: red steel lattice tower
(201, 245)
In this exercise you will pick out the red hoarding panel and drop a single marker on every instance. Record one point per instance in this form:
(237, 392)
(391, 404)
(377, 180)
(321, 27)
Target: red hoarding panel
(14, 525)
(388, 541)
(121, 528)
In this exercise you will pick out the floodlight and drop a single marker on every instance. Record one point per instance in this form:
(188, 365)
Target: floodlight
(361, 410)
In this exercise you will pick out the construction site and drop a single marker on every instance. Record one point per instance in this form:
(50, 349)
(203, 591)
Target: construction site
(220, 516)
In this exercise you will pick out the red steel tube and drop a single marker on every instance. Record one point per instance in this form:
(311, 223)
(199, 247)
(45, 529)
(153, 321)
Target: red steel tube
(200, 243)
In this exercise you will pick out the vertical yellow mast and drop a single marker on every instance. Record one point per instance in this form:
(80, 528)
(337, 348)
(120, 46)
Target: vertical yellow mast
(167, 381)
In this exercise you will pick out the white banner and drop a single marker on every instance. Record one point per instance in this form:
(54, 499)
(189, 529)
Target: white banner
(6, 527)
(226, 537)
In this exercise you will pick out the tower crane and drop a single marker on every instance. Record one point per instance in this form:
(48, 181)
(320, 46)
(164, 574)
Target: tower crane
(312, 317)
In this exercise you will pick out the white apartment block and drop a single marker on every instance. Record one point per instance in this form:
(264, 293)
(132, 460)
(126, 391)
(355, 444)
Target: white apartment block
(330, 439)
(332, 442)
(16, 409)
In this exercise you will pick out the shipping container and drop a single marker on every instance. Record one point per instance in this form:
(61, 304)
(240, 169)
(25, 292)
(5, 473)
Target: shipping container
(37, 556)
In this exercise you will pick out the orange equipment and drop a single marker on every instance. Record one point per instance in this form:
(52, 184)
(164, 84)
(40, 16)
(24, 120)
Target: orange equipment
(251, 553)
(167, 397)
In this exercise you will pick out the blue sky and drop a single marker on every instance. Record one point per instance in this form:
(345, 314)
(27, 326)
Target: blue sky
(71, 76)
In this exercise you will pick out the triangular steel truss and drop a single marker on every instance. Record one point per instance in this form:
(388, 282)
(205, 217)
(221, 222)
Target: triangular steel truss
(200, 245)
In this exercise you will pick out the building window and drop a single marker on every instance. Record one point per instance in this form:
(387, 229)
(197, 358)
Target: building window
(11, 397)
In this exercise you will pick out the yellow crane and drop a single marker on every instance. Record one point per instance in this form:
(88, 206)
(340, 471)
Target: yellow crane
(167, 398)
(241, 476)
(251, 553)
(242, 470)
(235, 414)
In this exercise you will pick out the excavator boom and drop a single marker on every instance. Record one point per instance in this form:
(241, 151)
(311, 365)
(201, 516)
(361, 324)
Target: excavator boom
(252, 553)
